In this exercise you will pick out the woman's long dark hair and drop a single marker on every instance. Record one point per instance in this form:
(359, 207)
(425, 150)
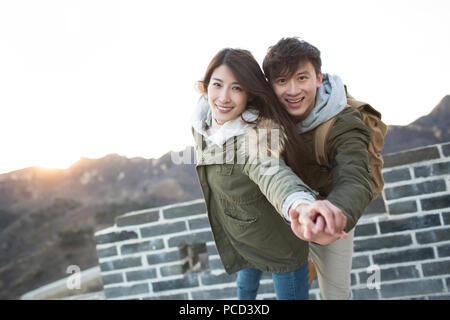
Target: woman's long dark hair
(249, 74)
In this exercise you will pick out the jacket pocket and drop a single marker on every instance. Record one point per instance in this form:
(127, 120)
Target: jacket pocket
(240, 215)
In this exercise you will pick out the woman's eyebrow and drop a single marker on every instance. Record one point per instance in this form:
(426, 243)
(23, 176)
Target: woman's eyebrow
(217, 79)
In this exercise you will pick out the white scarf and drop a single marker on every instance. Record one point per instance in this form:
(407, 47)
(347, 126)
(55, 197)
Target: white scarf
(219, 134)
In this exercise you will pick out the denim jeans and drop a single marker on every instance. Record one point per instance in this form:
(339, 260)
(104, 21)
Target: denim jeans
(288, 285)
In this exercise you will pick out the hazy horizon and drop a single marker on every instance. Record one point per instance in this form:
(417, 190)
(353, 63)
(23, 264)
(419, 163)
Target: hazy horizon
(90, 78)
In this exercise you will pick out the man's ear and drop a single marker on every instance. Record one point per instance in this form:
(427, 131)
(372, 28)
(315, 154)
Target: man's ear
(319, 79)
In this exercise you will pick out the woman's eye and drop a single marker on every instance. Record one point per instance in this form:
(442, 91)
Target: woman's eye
(280, 81)
(237, 88)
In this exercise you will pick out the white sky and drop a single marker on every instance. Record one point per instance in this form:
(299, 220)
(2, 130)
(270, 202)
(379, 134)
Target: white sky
(89, 78)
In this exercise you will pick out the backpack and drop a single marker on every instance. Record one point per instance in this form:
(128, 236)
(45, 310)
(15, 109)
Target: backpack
(377, 130)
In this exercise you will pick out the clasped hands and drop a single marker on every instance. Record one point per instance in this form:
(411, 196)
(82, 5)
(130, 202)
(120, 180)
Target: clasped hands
(320, 222)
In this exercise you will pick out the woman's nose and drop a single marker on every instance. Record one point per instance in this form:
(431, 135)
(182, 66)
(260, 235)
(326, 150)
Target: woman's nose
(224, 96)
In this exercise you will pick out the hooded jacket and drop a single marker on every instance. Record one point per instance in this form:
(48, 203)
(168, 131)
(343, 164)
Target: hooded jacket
(244, 191)
(346, 181)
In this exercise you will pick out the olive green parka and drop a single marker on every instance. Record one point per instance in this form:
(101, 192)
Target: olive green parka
(244, 194)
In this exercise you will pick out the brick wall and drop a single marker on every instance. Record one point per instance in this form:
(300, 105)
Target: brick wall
(404, 242)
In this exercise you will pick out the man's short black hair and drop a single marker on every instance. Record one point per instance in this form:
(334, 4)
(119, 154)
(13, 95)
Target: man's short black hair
(284, 58)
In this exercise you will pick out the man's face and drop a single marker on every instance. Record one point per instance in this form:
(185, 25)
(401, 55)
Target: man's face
(298, 93)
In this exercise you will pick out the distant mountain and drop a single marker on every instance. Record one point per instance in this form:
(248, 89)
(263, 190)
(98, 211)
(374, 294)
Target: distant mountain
(430, 129)
(48, 216)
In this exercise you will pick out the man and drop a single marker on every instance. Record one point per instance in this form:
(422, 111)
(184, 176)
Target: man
(293, 67)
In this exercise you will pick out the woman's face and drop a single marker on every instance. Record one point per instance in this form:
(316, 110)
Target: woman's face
(227, 98)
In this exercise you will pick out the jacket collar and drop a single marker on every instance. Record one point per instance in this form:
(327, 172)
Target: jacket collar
(201, 120)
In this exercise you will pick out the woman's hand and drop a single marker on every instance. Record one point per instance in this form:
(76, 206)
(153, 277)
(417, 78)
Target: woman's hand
(309, 223)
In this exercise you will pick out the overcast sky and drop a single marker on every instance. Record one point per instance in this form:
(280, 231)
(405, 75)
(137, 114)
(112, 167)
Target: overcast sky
(90, 78)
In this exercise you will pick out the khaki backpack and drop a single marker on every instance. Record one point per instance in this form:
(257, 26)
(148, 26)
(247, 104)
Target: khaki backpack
(377, 130)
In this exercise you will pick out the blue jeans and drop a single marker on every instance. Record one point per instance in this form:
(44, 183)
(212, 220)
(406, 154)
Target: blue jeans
(288, 285)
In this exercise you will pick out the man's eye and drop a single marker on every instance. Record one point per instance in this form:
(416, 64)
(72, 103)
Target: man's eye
(301, 78)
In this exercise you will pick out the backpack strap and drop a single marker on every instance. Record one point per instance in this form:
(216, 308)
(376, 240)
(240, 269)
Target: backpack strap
(320, 140)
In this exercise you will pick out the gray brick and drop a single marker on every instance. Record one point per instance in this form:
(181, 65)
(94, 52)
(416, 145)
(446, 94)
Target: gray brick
(446, 149)
(315, 284)
(431, 236)
(120, 264)
(216, 294)
(436, 202)
(440, 297)
(112, 278)
(411, 288)
(363, 230)
(436, 268)
(446, 217)
(179, 296)
(360, 262)
(189, 281)
(313, 296)
(141, 274)
(436, 169)
(396, 175)
(353, 280)
(444, 251)
(191, 238)
(138, 218)
(409, 206)
(199, 223)
(396, 225)
(107, 252)
(215, 264)
(116, 292)
(142, 246)
(376, 206)
(365, 294)
(403, 256)
(208, 278)
(163, 229)
(115, 237)
(382, 243)
(163, 257)
(397, 273)
(174, 270)
(212, 249)
(415, 189)
(410, 156)
(184, 211)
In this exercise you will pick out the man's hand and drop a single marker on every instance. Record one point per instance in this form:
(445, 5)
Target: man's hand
(320, 222)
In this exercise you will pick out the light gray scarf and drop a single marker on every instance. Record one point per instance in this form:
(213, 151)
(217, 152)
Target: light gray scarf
(330, 100)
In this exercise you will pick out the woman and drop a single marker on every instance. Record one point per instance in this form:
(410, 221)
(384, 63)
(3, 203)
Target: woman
(244, 184)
